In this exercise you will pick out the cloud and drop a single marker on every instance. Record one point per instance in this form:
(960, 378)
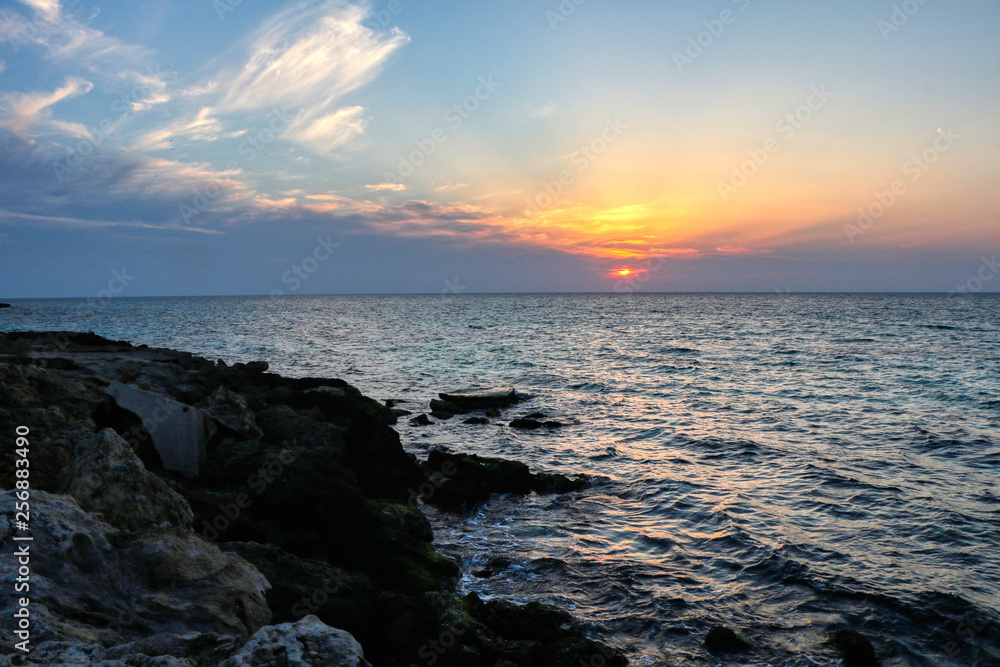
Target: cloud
(326, 133)
(308, 57)
(23, 111)
(202, 127)
(49, 9)
(392, 187)
(3, 66)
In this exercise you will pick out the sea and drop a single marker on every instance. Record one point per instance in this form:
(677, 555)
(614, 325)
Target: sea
(781, 464)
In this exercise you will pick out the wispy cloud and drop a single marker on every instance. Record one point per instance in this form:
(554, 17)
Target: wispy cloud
(308, 57)
(23, 111)
(391, 187)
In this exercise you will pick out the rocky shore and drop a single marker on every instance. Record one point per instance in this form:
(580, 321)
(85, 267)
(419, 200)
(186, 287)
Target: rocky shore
(186, 512)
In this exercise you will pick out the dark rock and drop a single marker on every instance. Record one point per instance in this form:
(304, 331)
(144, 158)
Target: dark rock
(477, 420)
(421, 420)
(230, 410)
(300, 587)
(493, 413)
(438, 405)
(721, 639)
(478, 399)
(398, 412)
(552, 424)
(442, 416)
(4, 305)
(856, 649)
(474, 478)
(527, 424)
(493, 567)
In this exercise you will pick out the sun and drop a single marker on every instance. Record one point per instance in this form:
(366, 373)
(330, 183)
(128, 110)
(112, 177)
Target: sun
(623, 272)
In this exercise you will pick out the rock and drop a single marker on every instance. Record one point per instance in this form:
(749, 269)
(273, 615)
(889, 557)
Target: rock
(421, 420)
(493, 413)
(477, 421)
(110, 480)
(477, 399)
(721, 639)
(4, 305)
(399, 412)
(541, 635)
(94, 585)
(552, 424)
(307, 643)
(474, 478)
(180, 432)
(230, 410)
(300, 587)
(448, 407)
(495, 566)
(527, 424)
(856, 649)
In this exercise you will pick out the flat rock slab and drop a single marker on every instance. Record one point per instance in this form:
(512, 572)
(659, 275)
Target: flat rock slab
(474, 399)
(180, 432)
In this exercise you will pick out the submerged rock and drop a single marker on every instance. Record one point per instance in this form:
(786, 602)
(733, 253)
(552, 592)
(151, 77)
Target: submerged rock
(479, 421)
(856, 649)
(421, 420)
(721, 639)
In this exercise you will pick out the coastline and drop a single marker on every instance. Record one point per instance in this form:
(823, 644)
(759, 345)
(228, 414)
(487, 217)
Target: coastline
(220, 514)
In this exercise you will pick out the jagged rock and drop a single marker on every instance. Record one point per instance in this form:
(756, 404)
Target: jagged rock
(540, 635)
(721, 639)
(474, 478)
(110, 480)
(493, 567)
(467, 400)
(300, 587)
(230, 410)
(421, 420)
(446, 407)
(100, 586)
(180, 432)
(307, 643)
(856, 649)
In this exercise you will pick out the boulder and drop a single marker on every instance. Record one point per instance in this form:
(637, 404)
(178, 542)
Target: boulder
(479, 421)
(4, 305)
(526, 424)
(230, 410)
(102, 586)
(421, 420)
(180, 433)
(467, 400)
(110, 480)
(307, 643)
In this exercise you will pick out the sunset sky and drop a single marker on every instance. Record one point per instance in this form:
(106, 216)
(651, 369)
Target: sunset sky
(237, 147)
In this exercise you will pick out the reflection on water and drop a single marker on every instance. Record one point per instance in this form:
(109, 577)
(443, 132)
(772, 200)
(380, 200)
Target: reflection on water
(776, 463)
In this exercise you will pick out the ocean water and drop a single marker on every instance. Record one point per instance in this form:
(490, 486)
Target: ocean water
(780, 464)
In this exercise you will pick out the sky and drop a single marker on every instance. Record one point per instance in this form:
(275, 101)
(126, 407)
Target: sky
(212, 147)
